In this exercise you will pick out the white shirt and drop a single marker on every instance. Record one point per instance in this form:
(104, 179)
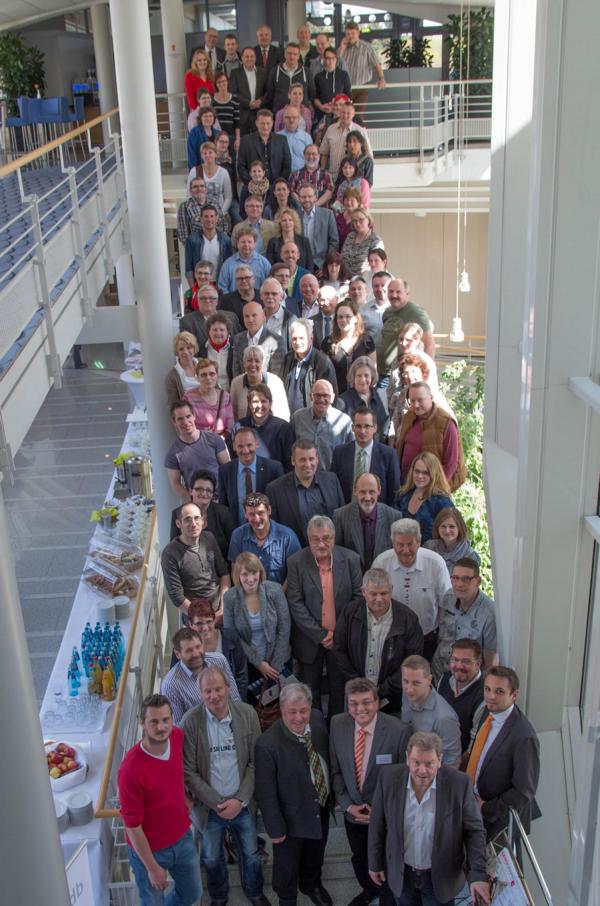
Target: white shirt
(420, 586)
(377, 632)
(210, 251)
(419, 825)
(275, 322)
(224, 770)
(251, 76)
(309, 310)
(498, 721)
(255, 340)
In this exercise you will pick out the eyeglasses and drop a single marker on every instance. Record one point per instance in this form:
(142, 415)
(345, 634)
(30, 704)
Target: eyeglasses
(203, 492)
(462, 578)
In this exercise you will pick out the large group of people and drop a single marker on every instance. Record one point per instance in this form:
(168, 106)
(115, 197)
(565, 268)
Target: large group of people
(336, 647)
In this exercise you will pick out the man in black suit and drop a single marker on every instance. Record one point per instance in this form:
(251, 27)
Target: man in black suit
(293, 793)
(272, 150)
(246, 474)
(245, 291)
(304, 492)
(217, 518)
(361, 742)
(267, 54)
(373, 637)
(304, 365)
(365, 526)
(504, 763)
(327, 299)
(215, 54)
(323, 580)
(275, 434)
(462, 686)
(247, 83)
(426, 864)
(365, 454)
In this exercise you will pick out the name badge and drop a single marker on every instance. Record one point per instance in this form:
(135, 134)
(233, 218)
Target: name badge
(383, 759)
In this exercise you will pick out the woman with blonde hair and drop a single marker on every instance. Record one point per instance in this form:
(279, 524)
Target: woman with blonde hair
(199, 75)
(182, 377)
(257, 610)
(210, 403)
(290, 229)
(424, 493)
(361, 240)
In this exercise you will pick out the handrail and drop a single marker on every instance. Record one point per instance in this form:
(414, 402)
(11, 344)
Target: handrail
(16, 164)
(515, 822)
(102, 812)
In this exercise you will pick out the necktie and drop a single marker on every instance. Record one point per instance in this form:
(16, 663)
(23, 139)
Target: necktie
(359, 754)
(327, 325)
(368, 542)
(480, 741)
(264, 58)
(316, 767)
(248, 480)
(361, 464)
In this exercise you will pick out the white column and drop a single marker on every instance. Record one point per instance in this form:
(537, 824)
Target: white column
(133, 60)
(31, 859)
(171, 14)
(105, 67)
(125, 281)
(296, 16)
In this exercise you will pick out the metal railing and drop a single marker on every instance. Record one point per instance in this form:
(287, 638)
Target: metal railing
(428, 119)
(514, 841)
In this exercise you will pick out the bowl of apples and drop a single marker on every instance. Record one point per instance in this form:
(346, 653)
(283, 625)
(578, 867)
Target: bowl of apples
(66, 765)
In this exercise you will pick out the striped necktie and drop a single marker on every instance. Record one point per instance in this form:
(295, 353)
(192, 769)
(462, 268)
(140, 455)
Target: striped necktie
(361, 463)
(359, 754)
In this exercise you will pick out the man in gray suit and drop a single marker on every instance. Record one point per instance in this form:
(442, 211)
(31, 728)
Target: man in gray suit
(364, 525)
(323, 579)
(318, 225)
(256, 334)
(424, 821)
(218, 760)
(360, 743)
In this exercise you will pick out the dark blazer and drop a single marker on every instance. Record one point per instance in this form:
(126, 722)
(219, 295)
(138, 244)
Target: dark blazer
(319, 367)
(195, 322)
(284, 791)
(233, 651)
(389, 740)
(277, 435)
(271, 345)
(288, 319)
(350, 641)
(274, 56)
(306, 256)
(458, 828)
(305, 597)
(240, 87)
(509, 775)
(219, 522)
(384, 464)
(266, 470)
(284, 500)
(327, 85)
(253, 148)
(349, 532)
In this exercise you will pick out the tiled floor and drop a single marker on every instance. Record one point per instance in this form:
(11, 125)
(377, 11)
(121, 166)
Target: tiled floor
(63, 470)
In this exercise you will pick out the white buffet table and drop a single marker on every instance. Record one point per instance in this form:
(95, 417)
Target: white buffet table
(94, 743)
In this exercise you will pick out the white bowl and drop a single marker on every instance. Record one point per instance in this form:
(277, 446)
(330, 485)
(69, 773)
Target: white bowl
(67, 781)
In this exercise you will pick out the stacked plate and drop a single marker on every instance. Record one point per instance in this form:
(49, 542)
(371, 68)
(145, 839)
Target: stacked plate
(81, 808)
(121, 605)
(62, 815)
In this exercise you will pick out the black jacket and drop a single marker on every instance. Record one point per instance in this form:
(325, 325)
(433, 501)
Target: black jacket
(274, 56)
(275, 156)
(240, 87)
(328, 84)
(284, 790)
(350, 647)
(277, 436)
(278, 86)
(283, 497)
(465, 705)
(319, 367)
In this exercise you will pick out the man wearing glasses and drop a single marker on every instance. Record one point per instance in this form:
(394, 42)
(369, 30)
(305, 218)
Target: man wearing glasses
(217, 518)
(465, 612)
(321, 423)
(462, 686)
(311, 173)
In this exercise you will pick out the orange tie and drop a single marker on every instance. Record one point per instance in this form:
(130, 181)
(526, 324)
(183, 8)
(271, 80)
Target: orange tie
(480, 741)
(359, 752)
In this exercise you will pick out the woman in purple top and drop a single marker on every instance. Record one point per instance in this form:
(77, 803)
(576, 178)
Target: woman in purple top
(211, 405)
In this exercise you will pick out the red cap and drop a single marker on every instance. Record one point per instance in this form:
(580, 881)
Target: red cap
(340, 97)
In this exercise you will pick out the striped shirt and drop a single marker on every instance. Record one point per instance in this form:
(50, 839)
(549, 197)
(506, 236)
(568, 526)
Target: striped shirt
(181, 687)
(188, 218)
(360, 59)
(228, 114)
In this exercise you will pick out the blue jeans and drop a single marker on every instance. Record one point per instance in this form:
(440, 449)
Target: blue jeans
(243, 829)
(414, 894)
(182, 863)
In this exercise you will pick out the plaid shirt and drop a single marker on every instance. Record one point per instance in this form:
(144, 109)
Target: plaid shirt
(320, 179)
(188, 218)
(180, 685)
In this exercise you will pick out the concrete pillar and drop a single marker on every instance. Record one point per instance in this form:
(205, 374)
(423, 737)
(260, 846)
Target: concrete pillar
(133, 60)
(125, 281)
(249, 17)
(105, 67)
(31, 858)
(296, 16)
(171, 14)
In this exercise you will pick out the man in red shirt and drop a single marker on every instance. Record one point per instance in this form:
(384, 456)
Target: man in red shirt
(155, 811)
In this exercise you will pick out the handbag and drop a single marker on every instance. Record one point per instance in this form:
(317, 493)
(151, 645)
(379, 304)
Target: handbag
(267, 705)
